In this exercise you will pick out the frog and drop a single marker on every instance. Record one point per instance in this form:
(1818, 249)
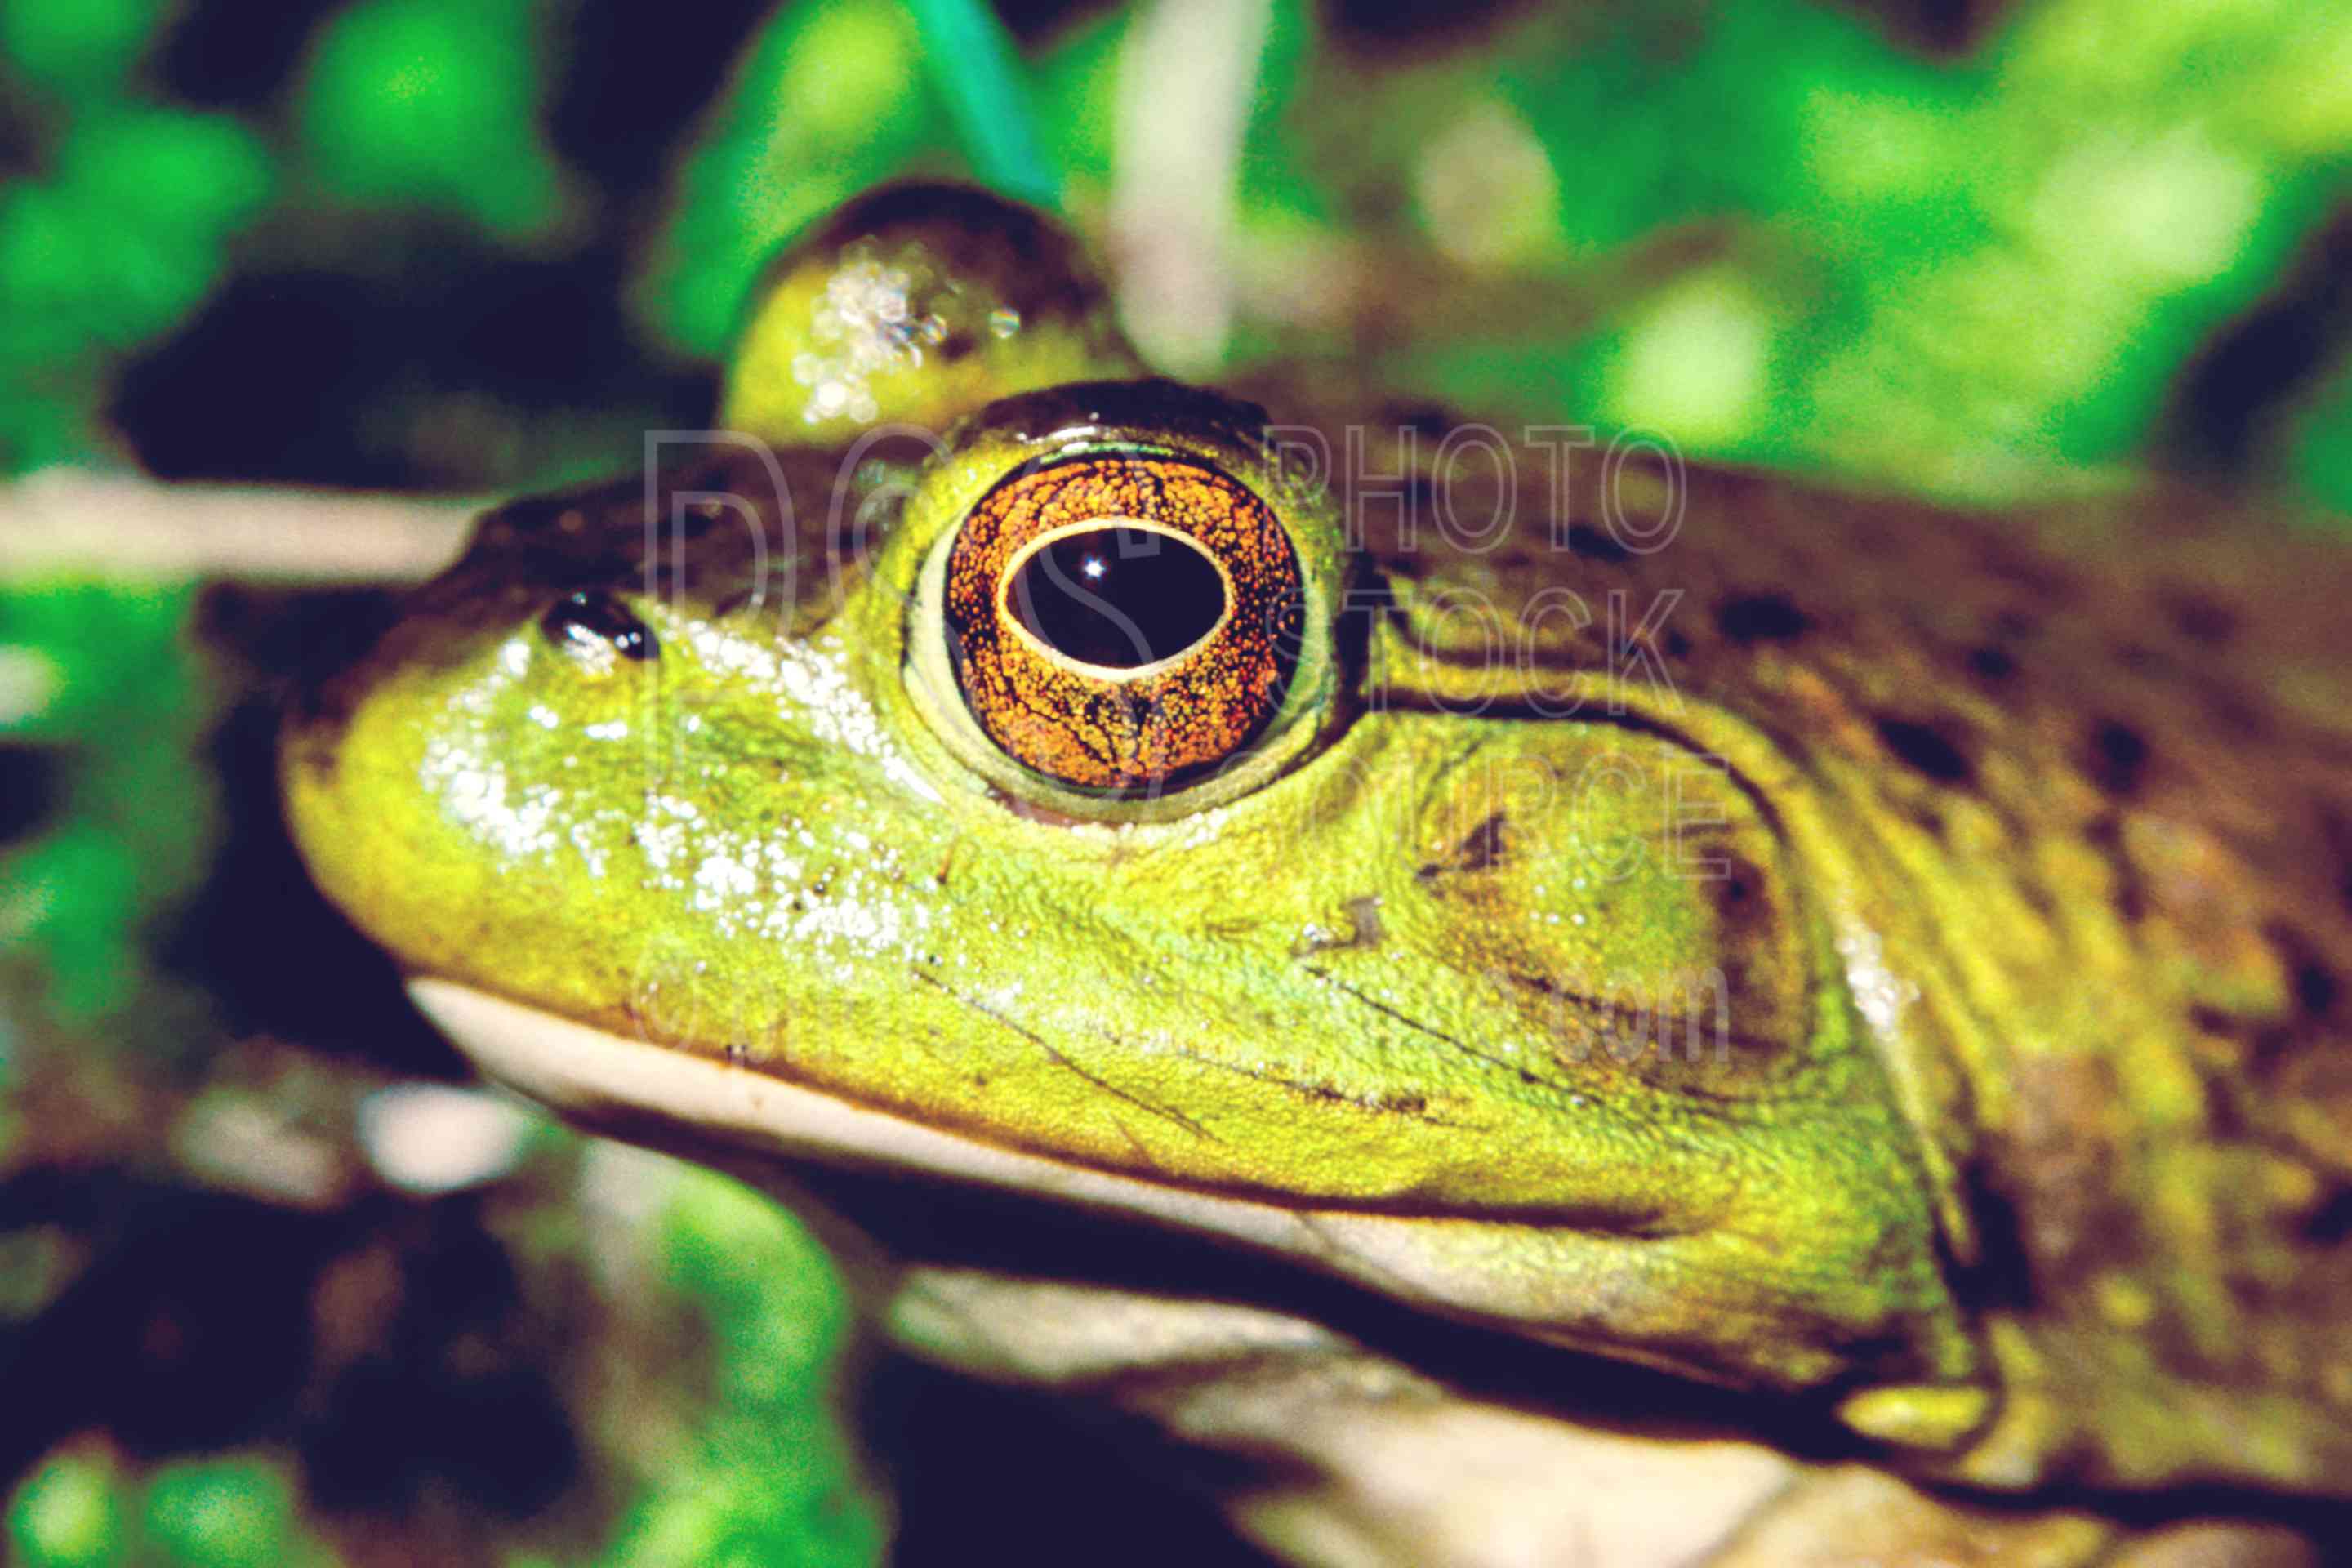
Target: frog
(1548, 1000)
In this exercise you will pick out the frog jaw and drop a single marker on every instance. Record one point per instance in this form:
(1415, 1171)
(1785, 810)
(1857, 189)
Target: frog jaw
(1628, 1296)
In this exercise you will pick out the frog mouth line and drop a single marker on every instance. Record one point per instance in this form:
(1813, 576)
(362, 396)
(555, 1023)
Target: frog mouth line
(644, 1093)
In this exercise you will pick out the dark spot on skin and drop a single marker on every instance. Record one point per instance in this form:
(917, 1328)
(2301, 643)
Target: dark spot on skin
(1424, 418)
(2105, 834)
(1741, 906)
(2268, 1048)
(2315, 986)
(2203, 620)
(2336, 827)
(595, 615)
(2003, 1273)
(2118, 757)
(2214, 1021)
(1761, 617)
(1990, 663)
(1480, 850)
(2331, 1222)
(1676, 646)
(1928, 749)
(1594, 545)
(2027, 570)
(2232, 714)
(2225, 1112)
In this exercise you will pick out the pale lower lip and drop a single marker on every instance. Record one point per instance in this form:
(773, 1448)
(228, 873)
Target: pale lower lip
(1440, 1262)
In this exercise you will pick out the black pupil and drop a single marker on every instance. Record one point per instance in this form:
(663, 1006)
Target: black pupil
(1118, 597)
(595, 617)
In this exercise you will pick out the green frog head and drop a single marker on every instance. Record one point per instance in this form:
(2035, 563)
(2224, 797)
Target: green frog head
(978, 761)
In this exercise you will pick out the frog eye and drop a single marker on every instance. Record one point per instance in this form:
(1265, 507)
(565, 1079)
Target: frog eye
(596, 628)
(1125, 622)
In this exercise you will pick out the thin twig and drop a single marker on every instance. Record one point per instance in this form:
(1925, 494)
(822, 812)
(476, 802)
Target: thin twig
(64, 521)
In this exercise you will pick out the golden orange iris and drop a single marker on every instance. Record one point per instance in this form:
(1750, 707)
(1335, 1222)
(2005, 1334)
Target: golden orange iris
(1123, 623)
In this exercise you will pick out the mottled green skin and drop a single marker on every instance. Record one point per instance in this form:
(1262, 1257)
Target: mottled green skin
(2004, 861)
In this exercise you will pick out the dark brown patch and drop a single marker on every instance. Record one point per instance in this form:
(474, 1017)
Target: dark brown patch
(2336, 828)
(2267, 1048)
(1929, 819)
(2202, 619)
(1761, 617)
(1424, 418)
(1991, 663)
(2233, 714)
(2023, 566)
(2118, 757)
(2315, 987)
(2331, 1221)
(2105, 834)
(2213, 1020)
(1594, 545)
(1739, 895)
(1676, 645)
(2003, 1273)
(1481, 849)
(1929, 748)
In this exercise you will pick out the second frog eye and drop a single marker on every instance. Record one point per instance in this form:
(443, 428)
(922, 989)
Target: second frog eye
(1124, 622)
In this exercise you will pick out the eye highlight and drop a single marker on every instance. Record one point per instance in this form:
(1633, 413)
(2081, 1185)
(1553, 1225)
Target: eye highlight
(1122, 622)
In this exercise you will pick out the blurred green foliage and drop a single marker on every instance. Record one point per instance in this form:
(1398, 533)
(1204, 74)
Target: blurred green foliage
(433, 103)
(765, 1478)
(830, 100)
(82, 1508)
(68, 1512)
(745, 1466)
(97, 673)
(1967, 275)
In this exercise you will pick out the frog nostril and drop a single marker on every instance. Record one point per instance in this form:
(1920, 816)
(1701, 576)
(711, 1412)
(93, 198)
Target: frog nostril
(594, 619)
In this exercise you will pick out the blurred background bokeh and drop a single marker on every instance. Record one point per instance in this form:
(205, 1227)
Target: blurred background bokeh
(275, 1285)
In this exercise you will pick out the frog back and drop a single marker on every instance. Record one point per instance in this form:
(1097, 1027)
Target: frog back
(2071, 790)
